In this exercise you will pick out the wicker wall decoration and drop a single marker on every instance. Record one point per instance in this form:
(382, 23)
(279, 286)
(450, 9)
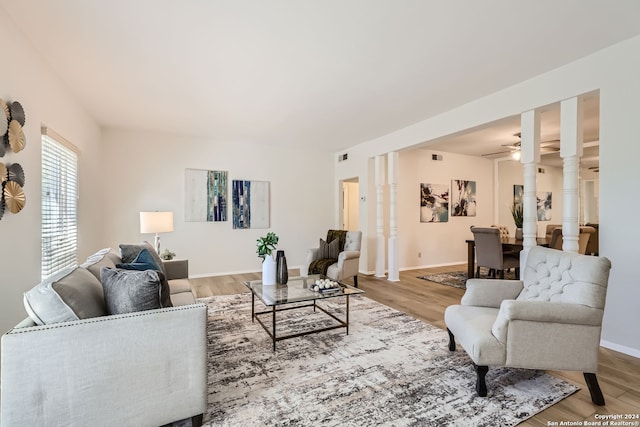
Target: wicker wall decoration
(12, 138)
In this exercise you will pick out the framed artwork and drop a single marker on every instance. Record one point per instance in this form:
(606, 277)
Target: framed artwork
(543, 204)
(463, 198)
(250, 204)
(518, 192)
(206, 195)
(434, 203)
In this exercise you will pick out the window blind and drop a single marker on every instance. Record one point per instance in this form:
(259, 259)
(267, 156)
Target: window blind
(59, 204)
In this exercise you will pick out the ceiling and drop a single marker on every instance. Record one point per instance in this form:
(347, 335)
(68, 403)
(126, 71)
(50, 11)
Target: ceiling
(493, 140)
(302, 73)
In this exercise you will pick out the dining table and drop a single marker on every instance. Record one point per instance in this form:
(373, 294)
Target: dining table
(508, 244)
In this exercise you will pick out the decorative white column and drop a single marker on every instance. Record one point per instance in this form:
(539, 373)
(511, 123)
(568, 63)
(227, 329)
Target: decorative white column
(380, 240)
(392, 165)
(529, 157)
(571, 142)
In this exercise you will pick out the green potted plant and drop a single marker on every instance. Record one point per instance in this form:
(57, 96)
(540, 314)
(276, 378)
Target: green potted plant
(265, 247)
(518, 217)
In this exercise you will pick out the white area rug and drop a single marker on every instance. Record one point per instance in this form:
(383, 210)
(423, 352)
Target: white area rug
(390, 370)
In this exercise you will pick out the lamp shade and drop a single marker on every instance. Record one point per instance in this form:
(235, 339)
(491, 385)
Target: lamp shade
(156, 222)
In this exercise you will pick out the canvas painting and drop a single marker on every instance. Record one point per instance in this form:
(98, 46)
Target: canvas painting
(434, 203)
(250, 204)
(518, 192)
(463, 198)
(543, 203)
(205, 195)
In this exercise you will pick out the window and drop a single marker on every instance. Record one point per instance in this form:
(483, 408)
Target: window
(59, 203)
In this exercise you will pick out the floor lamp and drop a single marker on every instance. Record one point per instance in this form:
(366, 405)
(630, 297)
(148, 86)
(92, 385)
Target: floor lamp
(156, 222)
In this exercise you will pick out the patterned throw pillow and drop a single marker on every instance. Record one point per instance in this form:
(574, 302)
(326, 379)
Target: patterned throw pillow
(329, 250)
(323, 251)
(334, 249)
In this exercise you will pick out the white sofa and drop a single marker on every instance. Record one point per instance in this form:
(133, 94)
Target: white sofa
(146, 368)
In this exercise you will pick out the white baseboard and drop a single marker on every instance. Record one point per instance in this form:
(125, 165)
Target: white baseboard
(621, 348)
(228, 273)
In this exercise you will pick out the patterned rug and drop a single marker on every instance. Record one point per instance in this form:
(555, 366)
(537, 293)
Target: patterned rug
(458, 279)
(390, 370)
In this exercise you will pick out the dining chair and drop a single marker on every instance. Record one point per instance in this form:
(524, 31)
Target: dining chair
(583, 238)
(489, 253)
(593, 244)
(549, 230)
(504, 231)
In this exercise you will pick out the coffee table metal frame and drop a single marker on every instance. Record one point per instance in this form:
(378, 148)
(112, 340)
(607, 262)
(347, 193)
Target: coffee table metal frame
(277, 306)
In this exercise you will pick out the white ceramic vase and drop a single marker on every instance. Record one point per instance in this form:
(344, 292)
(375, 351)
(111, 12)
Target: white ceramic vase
(269, 271)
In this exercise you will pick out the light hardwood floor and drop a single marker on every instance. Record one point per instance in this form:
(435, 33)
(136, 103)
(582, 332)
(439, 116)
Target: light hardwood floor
(618, 374)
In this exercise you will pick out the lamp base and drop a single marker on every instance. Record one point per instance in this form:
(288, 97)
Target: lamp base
(156, 243)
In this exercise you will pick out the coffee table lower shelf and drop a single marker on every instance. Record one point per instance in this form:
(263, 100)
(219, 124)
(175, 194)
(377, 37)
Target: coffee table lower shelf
(274, 309)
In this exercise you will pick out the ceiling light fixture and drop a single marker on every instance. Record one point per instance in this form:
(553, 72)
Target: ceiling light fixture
(516, 155)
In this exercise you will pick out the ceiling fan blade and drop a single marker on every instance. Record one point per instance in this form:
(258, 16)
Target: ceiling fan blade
(498, 152)
(549, 149)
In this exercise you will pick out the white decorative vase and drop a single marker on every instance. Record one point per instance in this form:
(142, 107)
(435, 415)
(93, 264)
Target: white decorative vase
(269, 271)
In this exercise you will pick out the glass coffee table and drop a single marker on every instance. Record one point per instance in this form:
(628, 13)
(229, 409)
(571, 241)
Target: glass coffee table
(288, 297)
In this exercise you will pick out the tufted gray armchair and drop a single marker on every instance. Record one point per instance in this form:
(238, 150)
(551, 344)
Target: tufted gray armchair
(551, 319)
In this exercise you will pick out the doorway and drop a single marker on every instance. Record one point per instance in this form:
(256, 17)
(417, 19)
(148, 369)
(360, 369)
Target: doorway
(350, 207)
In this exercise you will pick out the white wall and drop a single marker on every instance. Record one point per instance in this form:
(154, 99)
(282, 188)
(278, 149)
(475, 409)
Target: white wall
(614, 72)
(24, 77)
(439, 243)
(146, 172)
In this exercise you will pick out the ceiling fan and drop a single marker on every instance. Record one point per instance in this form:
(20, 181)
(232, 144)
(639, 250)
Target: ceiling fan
(514, 147)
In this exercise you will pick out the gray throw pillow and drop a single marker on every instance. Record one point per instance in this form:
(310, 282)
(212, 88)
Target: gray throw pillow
(72, 294)
(103, 258)
(127, 291)
(329, 250)
(334, 249)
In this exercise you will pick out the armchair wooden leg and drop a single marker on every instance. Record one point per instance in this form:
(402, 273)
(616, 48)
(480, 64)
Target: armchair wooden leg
(481, 384)
(355, 280)
(594, 388)
(452, 341)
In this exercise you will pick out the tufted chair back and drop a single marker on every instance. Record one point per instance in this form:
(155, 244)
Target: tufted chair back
(557, 276)
(504, 231)
(353, 240)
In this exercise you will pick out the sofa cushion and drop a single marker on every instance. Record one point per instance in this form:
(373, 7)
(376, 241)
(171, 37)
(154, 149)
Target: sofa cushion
(127, 291)
(129, 252)
(106, 257)
(72, 294)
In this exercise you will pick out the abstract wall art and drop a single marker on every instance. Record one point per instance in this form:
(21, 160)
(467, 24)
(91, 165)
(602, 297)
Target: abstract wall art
(463, 198)
(518, 192)
(250, 204)
(206, 195)
(434, 203)
(543, 203)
